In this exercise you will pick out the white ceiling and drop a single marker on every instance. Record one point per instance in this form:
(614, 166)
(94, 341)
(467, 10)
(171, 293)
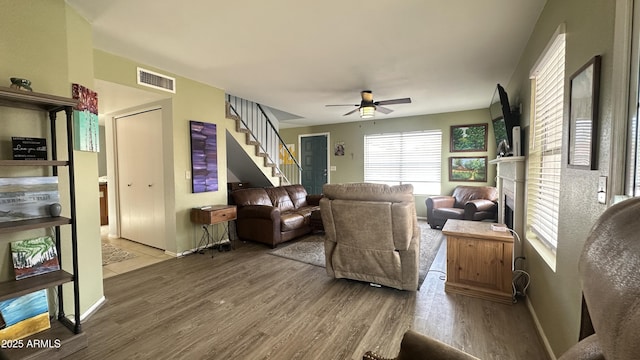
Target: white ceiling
(298, 55)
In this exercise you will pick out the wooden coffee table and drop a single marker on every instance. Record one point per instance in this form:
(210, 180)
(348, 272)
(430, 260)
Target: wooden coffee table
(479, 260)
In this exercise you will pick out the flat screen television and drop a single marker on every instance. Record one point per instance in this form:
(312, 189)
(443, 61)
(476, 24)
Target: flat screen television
(504, 120)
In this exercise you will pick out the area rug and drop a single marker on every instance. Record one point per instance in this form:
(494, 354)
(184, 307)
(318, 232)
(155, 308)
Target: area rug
(112, 254)
(310, 249)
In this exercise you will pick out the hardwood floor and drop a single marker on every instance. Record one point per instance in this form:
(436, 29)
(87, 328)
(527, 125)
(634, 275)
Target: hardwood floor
(247, 304)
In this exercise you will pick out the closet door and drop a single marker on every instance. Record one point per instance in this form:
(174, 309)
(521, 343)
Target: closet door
(140, 178)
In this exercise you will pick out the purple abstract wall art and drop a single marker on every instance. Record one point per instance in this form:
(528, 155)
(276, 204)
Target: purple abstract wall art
(204, 157)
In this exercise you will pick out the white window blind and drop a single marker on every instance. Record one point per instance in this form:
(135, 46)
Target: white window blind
(405, 158)
(545, 150)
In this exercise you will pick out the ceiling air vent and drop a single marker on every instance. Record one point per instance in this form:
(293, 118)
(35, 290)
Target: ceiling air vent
(156, 81)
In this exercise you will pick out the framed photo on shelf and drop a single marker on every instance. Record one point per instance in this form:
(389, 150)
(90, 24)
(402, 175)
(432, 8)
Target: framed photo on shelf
(469, 138)
(583, 115)
(468, 168)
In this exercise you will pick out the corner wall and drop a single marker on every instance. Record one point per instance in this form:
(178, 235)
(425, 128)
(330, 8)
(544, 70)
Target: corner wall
(556, 296)
(49, 44)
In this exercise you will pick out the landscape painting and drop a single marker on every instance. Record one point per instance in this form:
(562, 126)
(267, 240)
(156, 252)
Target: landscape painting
(34, 257)
(24, 316)
(468, 168)
(24, 198)
(469, 137)
(204, 157)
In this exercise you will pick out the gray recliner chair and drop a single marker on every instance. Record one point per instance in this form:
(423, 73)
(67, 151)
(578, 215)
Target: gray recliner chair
(609, 270)
(371, 233)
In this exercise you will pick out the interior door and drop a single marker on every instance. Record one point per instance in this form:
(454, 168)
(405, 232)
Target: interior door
(140, 178)
(314, 162)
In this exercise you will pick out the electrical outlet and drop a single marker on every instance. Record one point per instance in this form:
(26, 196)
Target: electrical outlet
(187, 174)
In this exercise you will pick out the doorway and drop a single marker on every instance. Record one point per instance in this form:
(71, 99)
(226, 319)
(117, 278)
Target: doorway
(140, 176)
(314, 159)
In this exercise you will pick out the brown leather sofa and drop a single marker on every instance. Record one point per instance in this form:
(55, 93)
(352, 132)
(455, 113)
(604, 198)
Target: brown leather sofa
(465, 203)
(608, 271)
(274, 215)
(371, 233)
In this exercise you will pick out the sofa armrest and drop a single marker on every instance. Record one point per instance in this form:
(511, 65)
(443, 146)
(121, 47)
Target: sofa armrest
(260, 212)
(418, 346)
(473, 206)
(314, 199)
(442, 201)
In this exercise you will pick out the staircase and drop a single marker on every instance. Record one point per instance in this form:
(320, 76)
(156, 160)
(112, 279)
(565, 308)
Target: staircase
(259, 133)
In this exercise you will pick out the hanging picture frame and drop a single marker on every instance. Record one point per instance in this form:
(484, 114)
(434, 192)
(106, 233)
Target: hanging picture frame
(468, 138)
(583, 115)
(204, 157)
(468, 168)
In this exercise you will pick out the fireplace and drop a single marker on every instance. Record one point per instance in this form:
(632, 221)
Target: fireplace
(510, 182)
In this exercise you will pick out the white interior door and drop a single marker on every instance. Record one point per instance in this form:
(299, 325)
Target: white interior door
(140, 178)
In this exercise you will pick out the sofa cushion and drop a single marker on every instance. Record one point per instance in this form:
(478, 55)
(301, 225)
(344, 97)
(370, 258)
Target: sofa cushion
(291, 221)
(251, 196)
(298, 195)
(280, 198)
(449, 213)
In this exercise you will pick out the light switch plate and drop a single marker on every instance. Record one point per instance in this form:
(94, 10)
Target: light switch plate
(602, 184)
(602, 189)
(332, 168)
(187, 174)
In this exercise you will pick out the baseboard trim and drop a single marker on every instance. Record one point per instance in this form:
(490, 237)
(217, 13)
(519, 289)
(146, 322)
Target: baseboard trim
(540, 331)
(92, 310)
(198, 249)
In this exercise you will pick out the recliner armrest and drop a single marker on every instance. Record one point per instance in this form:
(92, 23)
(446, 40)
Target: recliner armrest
(473, 206)
(260, 212)
(314, 199)
(442, 201)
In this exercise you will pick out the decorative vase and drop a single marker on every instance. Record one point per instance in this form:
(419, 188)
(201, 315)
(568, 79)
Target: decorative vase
(21, 84)
(55, 209)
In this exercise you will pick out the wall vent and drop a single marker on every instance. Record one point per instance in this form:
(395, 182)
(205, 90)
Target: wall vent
(156, 81)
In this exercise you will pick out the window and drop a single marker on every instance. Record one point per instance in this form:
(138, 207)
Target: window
(545, 150)
(405, 158)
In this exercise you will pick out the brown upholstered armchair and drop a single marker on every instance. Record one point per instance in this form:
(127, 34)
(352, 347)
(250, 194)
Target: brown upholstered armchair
(371, 233)
(608, 269)
(465, 203)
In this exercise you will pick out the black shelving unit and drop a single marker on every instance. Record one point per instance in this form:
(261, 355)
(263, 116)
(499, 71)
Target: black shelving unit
(65, 336)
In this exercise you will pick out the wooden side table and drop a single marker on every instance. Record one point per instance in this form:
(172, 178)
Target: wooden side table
(479, 260)
(213, 215)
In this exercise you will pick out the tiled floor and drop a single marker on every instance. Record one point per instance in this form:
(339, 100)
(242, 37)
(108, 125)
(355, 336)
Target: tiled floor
(145, 255)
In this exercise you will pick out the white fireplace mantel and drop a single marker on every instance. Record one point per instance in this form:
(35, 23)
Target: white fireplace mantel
(511, 184)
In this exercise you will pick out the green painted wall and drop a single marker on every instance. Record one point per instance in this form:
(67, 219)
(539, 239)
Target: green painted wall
(48, 43)
(555, 296)
(350, 168)
(192, 101)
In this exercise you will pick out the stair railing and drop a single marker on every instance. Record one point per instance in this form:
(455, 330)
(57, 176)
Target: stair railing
(267, 138)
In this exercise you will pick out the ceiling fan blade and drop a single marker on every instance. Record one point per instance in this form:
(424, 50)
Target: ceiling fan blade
(343, 105)
(394, 101)
(351, 112)
(383, 110)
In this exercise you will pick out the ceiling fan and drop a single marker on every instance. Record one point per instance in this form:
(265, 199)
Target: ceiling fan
(368, 107)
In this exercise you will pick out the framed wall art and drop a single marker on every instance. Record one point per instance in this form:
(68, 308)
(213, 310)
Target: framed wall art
(204, 157)
(583, 115)
(467, 168)
(469, 138)
(86, 135)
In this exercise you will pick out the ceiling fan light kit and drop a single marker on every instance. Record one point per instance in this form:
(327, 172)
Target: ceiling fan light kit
(368, 107)
(367, 112)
